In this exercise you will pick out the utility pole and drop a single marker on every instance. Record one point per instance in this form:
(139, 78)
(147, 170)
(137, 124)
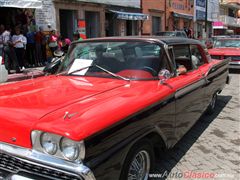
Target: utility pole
(206, 16)
(141, 22)
(165, 15)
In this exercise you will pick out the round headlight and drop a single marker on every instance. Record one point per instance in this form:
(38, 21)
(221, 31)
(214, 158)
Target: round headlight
(48, 143)
(71, 150)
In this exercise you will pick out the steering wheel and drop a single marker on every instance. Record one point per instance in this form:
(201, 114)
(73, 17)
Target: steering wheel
(149, 69)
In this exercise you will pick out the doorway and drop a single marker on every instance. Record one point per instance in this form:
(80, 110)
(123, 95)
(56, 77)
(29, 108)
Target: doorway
(132, 28)
(68, 22)
(92, 24)
(156, 24)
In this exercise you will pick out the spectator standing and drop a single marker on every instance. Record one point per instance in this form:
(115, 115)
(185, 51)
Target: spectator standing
(9, 53)
(53, 41)
(199, 37)
(25, 50)
(1, 39)
(39, 38)
(65, 44)
(19, 42)
(43, 47)
(30, 49)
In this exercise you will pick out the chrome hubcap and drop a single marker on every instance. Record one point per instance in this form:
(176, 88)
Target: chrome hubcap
(140, 166)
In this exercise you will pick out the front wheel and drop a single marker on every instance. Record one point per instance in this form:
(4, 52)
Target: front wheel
(139, 162)
(212, 105)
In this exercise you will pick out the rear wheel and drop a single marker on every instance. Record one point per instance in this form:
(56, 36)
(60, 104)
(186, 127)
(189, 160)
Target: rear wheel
(212, 105)
(139, 162)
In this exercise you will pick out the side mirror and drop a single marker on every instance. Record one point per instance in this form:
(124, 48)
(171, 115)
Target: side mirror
(181, 70)
(163, 75)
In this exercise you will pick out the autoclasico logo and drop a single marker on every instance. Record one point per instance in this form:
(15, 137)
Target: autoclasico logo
(191, 175)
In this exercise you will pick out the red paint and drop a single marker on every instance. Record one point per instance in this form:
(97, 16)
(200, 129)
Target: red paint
(99, 102)
(225, 51)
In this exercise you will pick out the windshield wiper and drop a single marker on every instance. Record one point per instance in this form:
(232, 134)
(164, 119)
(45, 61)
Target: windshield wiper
(103, 69)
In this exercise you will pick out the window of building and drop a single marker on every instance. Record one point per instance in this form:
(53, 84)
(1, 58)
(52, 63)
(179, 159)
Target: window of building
(231, 12)
(176, 24)
(156, 24)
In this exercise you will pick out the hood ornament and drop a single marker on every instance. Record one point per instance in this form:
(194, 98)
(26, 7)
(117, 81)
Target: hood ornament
(68, 115)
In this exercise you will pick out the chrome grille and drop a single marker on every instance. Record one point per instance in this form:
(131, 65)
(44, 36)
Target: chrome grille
(233, 58)
(15, 165)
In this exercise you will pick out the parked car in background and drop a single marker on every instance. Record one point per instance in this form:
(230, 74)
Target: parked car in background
(113, 102)
(224, 48)
(3, 71)
(172, 34)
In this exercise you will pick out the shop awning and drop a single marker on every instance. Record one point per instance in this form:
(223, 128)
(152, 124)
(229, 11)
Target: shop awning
(218, 25)
(129, 15)
(182, 15)
(21, 3)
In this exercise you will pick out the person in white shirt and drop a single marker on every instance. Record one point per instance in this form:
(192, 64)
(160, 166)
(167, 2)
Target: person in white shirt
(1, 39)
(9, 53)
(19, 43)
(4, 37)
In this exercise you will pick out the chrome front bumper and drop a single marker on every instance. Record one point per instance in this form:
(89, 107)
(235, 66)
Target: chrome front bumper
(234, 65)
(37, 159)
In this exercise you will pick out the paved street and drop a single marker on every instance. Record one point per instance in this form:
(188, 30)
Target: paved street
(212, 146)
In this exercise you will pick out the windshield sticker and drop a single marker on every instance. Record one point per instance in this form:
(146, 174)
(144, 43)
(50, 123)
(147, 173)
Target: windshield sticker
(79, 64)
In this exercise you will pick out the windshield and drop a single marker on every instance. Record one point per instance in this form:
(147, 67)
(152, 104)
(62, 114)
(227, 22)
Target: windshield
(130, 60)
(227, 43)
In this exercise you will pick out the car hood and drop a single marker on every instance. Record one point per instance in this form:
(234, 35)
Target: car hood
(225, 51)
(23, 104)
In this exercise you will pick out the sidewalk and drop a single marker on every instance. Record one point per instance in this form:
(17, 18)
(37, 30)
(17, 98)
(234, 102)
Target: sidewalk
(26, 74)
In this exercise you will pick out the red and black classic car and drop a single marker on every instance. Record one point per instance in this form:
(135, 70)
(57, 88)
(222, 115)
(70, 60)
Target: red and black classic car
(110, 103)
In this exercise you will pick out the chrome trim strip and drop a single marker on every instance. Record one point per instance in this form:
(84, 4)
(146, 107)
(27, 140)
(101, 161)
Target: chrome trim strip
(44, 160)
(190, 87)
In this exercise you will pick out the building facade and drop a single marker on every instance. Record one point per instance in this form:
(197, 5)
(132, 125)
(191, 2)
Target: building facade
(179, 14)
(157, 16)
(200, 18)
(94, 18)
(69, 16)
(212, 16)
(229, 16)
(19, 13)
